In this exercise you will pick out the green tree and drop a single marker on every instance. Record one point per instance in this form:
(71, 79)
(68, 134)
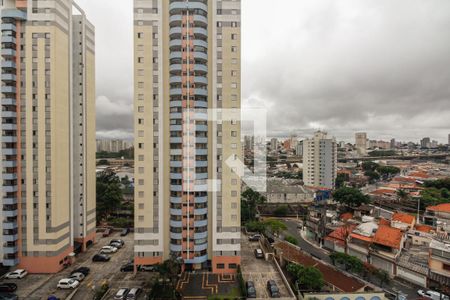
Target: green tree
(171, 268)
(373, 176)
(256, 226)
(291, 239)
(369, 166)
(109, 193)
(386, 171)
(341, 179)
(402, 194)
(383, 276)
(281, 211)
(103, 162)
(350, 196)
(438, 184)
(307, 278)
(249, 203)
(275, 226)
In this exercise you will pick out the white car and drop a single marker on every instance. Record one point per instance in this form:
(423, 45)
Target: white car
(108, 250)
(432, 295)
(68, 283)
(77, 276)
(17, 274)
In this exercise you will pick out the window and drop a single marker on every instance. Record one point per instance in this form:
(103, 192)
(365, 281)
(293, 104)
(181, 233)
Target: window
(233, 49)
(232, 266)
(220, 266)
(140, 35)
(140, 60)
(234, 36)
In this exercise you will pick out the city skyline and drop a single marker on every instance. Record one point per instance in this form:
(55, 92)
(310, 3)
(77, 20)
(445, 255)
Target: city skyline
(401, 106)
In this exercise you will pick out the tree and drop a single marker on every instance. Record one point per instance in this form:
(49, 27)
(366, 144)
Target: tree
(291, 239)
(275, 226)
(383, 276)
(387, 171)
(402, 194)
(109, 193)
(103, 162)
(307, 278)
(341, 179)
(171, 268)
(250, 200)
(373, 176)
(369, 166)
(255, 226)
(281, 211)
(350, 196)
(438, 184)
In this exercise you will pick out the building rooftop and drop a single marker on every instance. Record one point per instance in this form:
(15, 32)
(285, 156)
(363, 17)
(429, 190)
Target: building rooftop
(403, 218)
(445, 207)
(332, 276)
(388, 236)
(423, 228)
(366, 229)
(440, 245)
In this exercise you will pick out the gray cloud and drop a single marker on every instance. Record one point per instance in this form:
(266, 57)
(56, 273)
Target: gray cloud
(343, 65)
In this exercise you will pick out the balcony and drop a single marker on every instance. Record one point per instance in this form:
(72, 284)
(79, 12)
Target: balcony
(175, 67)
(9, 164)
(8, 39)
(175, 104)
(177, 7)
(10, 213)
(201, 32)
(175, 55)
(200, 223)
(176, 176)
(9, 101)
(176, 224)
(8, 26)
(175, 79)
(200, 68)
(8, 89)
(176, 91)
(8, 114)
(10, 262)
(201, 55)
(9, 176)
(8, 52)
(176, 128)
(7, 64)
(8, 138)
(10, 249)
(176, 188)
(176, 212)
(201, 79)
(200, 19)
(10, 238)
(201, 247)
(9, 225)
(201, 43)
(201, 104)
(8, 77)
(201, 92)
(175, 200)
(9, 201)
(175, 248)
(175, 19)
(176, 236)
(176, 140)
(200, 211)
(14, 14)
(201, 235)
(9, 126)
(202, 199)
(197, 260)
(176, 115)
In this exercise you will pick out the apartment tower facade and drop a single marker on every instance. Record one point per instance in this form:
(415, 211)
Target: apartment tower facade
(187, 198)
(361, 143)
(48, 133)
(320, 161)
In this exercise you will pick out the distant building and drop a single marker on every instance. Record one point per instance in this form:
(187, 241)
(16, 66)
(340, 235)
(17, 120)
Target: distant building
(287, 191)
(393, 144)
(320, 160)
(361, 143)
(273, 144)
(299, 149)
(108, 145)
(425, 142)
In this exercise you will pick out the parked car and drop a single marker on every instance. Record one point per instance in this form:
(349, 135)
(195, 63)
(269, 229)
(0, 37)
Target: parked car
(108, 250)
(101, 257)
(84, 270)
(116, 245)
(272, 287)
(127, 268)
(117, 241)
(52, 297)
(8, 287)
(254, 237)
(432, 295)
(149, 268)
(121, 294)
(17, 274)
(8, 296)
(125, 232)
(68, 283)
(77, 276)
(134, 293)
(270, 240)
(251, 290)
(259, 253)
(107, 232)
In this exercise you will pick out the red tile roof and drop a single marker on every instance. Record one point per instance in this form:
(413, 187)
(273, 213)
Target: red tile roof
(342, 232)
(384, 222)
(423, 228)
(388, 236)
(419, 174)
(383, 191)
(346, 216)
(361, 237)
(445, 207)
(404, 218)
(332, 276)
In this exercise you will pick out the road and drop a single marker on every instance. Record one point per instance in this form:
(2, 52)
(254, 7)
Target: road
(394, 286)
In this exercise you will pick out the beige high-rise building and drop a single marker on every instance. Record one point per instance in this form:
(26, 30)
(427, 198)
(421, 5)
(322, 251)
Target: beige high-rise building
(361, 143)
(320, 161)
(48, 133)
(187, 198)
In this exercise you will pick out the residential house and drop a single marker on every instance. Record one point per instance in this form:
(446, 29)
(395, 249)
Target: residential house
(387, 245)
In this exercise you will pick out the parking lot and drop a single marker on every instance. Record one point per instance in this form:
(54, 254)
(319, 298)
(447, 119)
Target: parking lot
(259, 270)
(40, 286)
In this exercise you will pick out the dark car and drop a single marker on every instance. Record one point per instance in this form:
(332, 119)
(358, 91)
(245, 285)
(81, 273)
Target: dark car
(107, 232)
(127, 268)
(254, 237)
(149, 268)
(125, 232)
(117, 241)
(8, 287)
(273, 289)
(251, 291)
(8, 296)
(270, 240)
(259, 253)
(83, 270)
(101, 257)
(53, 298)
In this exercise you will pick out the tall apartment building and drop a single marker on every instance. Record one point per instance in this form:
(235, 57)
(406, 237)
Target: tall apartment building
(187, 198)
(320, 161)
(361, 143)
(425, 142)
(48, 133)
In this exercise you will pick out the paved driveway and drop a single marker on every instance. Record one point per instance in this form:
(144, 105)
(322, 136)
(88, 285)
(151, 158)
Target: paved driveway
(258, 270)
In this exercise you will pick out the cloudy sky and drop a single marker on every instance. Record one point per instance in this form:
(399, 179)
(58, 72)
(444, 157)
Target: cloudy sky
(381, 66)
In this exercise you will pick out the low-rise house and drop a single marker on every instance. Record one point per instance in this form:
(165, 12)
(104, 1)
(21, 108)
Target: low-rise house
(387, 245)
(360, 239)
(438, 216)
(439, 264)
(287, 191)
(403, 221)
(337, 240)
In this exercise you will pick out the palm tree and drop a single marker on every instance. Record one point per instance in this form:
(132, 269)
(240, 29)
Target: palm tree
(402, 195)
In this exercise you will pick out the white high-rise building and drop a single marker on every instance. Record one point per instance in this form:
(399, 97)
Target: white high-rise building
(320, 160)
